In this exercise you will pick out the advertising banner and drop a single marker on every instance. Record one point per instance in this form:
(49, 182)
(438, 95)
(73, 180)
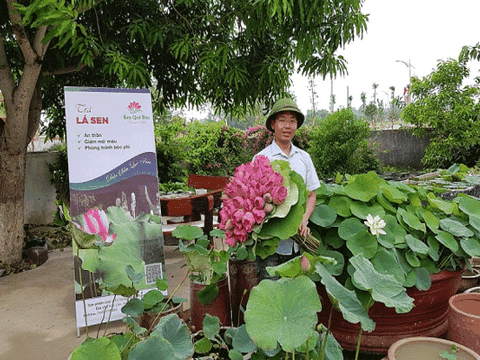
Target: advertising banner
(113, 196)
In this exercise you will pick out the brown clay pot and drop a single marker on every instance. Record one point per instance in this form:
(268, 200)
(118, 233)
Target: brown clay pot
(428, 317)
(470, 278)
(220, 307)
(464, 320)
(150, 320)
(243, 277)
(427, 348)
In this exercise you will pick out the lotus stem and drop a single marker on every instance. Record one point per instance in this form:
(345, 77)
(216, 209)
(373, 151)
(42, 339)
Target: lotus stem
(309, 243)
(83, 292)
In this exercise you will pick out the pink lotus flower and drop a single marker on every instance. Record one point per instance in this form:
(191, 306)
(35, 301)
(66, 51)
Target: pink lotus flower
(279, 194)
(96, 222)
(248, 199)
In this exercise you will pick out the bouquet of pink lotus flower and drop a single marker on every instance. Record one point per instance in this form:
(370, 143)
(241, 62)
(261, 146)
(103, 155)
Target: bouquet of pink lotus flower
(262, 204)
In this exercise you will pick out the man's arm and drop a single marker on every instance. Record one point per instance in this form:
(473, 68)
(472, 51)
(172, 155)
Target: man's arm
(310, 206)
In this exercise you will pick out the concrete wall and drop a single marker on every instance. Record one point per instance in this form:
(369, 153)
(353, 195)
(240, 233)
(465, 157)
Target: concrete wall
(400, 148)
(39, 193)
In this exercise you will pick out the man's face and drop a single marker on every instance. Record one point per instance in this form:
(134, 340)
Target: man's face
(284, 126)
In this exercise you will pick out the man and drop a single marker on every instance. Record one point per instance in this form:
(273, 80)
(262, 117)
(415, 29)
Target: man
(284, 120)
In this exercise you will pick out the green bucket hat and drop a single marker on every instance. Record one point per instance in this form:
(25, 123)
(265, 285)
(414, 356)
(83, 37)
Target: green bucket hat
(282, 105)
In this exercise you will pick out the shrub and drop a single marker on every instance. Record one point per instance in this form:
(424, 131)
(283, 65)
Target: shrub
(341, 144)
(450, 111)
(171, 151)
(215, 149)
(59, 174)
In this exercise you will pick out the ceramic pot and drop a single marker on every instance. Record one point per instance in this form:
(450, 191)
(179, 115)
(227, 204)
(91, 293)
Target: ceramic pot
(427, 348)
(429, 317)
(243, 277)
(475, 289)
(464, 320)
(470, 278)
(220, 307)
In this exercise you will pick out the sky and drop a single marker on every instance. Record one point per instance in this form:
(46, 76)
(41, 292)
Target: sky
(419, 32)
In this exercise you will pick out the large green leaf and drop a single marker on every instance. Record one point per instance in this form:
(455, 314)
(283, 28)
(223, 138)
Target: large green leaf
(187, 232)
(416, 245)
(411, 220)
(361, 210)
(471, 246)
(474, 220)
(383, 288)
(363, 243)
(455, 228)
(364, 187)
(323, 215)
(395, 233)
(341, 204)
(440, 204)
(242, 342)
(174, 330)
(384, 202)
(274, 314)
(385, 262)
(392, 194)
(345, 300)
(350, 227)
(468, 205)
(293, 267)
(447, 240)
(153, 348)
(430, 219)
(98, 349)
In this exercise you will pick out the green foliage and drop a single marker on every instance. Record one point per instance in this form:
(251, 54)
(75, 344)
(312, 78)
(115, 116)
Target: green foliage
(340, 143)
(450, 112)
(171, 151)
(59, 175)
(215, 149)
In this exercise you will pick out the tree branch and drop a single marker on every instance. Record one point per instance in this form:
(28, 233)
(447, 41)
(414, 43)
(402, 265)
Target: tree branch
(67, 70)
(6, 81)
(19, 31)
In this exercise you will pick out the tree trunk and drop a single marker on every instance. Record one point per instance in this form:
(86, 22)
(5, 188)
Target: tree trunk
(12, 189)
(13, 154)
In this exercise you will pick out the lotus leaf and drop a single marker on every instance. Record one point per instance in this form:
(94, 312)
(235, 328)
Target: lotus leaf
(392, 194)
(447, 240)
(99, 349)
(345, 300)
(323, 215)
(361, 210)
(341, 204)
(273, 315)
(468, 205)
(383, 288)
(455, 228)
(175, 332)
(153, 348)
(364, 186)
(471, 246)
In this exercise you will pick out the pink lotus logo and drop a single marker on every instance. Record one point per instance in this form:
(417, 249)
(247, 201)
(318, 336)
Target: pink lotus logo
(134, 107)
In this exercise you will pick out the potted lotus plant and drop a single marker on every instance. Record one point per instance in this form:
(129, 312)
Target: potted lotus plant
(394, 244)
(207, 270)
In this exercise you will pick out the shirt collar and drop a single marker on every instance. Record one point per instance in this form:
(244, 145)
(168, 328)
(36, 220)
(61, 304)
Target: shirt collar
(278, 151)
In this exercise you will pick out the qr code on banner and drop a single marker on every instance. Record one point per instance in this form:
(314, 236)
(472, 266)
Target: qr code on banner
(152, 272)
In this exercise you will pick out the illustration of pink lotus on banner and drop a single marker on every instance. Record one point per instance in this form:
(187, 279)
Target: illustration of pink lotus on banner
(114, 200)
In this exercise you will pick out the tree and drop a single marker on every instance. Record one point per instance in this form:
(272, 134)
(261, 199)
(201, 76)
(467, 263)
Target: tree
(450, 111)
(192, 51)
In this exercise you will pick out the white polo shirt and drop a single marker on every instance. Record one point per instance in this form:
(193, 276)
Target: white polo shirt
(302, 164)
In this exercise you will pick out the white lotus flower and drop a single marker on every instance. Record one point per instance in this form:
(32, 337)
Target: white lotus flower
(376, 224)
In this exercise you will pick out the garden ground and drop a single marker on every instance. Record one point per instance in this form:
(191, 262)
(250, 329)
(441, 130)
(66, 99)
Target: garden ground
(37, 308)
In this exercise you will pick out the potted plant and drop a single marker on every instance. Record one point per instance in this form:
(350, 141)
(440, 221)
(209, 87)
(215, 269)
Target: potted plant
(392, 243)
(222, 342)
(207, 269)
(168, 337)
